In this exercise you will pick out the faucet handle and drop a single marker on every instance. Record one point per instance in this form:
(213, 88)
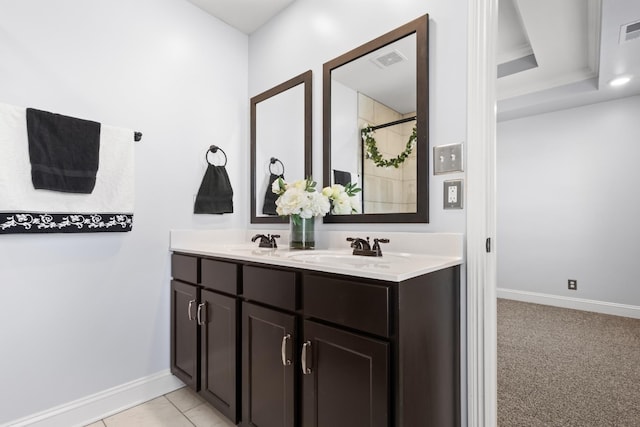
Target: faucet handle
(376, 245)
(272, 240)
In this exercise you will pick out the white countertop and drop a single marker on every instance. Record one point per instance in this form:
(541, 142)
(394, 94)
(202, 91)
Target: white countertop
(431, 252)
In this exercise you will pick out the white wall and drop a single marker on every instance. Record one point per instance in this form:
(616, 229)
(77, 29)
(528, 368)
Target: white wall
(83, 313)
(568, 203)
(309, 33)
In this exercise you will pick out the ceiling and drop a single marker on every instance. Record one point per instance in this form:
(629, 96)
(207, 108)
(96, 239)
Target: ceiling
(551, 54)
(576, 50)
(245, 15)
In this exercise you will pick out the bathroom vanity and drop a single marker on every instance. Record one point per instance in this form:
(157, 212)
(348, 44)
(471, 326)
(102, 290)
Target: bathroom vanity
(273, 337)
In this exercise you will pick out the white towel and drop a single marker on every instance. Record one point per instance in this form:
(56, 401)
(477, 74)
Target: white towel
(25, 209)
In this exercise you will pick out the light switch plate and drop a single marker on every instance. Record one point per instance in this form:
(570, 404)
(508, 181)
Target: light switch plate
(447, 159)
(453, 194)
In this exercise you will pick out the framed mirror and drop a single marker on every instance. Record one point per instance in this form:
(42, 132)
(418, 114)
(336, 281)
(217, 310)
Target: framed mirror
(280, 142)
(376, 125)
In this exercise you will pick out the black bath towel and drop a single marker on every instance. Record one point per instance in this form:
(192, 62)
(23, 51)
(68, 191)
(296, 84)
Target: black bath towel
(269, 206)
(63, 151)
(341, 177)
(215, 195)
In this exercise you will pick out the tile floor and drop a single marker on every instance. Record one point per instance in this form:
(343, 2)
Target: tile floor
(180, 408)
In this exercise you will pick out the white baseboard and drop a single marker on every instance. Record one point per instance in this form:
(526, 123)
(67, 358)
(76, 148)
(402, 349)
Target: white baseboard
(100, 405)
(604, 307)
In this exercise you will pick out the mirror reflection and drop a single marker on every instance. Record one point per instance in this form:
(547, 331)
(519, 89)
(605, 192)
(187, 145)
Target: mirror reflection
(376, 125)
(280, 142)
(373, 111)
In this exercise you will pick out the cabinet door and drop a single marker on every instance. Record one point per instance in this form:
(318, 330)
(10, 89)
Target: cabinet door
(268, 367)
(184, 333)
(347, 378)
(219, 340)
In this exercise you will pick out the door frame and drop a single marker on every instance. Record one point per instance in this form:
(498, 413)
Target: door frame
(481, 213)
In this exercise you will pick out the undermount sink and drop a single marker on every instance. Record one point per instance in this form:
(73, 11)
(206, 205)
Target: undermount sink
(254, 250)
(336, 257)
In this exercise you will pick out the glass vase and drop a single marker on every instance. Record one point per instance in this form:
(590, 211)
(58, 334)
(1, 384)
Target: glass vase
(301, 232)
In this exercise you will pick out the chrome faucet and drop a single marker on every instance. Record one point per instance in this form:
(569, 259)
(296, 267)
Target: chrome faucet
(268, 241)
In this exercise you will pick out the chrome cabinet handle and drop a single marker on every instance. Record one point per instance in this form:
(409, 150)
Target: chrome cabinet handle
(305, 348)
(283, 349)
(199, 314)
(189, 309)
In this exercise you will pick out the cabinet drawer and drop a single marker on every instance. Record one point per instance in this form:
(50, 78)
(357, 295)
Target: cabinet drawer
(273, 287)
(219, 276)
(353, 304)
(185, 268)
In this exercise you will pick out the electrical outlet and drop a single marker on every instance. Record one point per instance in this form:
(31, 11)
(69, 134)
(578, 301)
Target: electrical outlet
(453, 194)
(573, 285)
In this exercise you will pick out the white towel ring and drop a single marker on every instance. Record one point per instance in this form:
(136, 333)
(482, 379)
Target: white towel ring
(214, 149)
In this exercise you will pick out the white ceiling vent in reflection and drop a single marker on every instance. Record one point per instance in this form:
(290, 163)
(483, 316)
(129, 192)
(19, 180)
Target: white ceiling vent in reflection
(630, 32)
(388, 59)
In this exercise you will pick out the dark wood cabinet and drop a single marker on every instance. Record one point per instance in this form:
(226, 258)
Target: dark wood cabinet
(218, 342)
(269, 362)
(277, 288)
(184, 333)
(350, 303)
(185, 268)
(205, 330)
(345, 378)
(282, 347)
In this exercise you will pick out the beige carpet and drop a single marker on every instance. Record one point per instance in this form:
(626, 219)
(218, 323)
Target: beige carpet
(561, 367)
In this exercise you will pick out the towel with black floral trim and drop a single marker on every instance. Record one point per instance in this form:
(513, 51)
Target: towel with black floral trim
(28, 206)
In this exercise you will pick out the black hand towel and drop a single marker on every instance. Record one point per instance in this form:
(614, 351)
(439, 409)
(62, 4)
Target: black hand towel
(215, 195)
(64, 152)
(269, 206)
(341, 177)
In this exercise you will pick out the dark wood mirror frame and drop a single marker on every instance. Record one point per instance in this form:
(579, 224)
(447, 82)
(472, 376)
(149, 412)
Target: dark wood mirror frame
(304, 79)
(418, 26)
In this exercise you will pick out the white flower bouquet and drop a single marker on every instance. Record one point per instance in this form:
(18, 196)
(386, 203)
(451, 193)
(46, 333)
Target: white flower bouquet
(342, 198)
(302, 202)
(300, 198)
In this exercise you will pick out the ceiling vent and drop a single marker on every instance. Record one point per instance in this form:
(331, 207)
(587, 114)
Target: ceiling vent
(388, 59)
(630, 32)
